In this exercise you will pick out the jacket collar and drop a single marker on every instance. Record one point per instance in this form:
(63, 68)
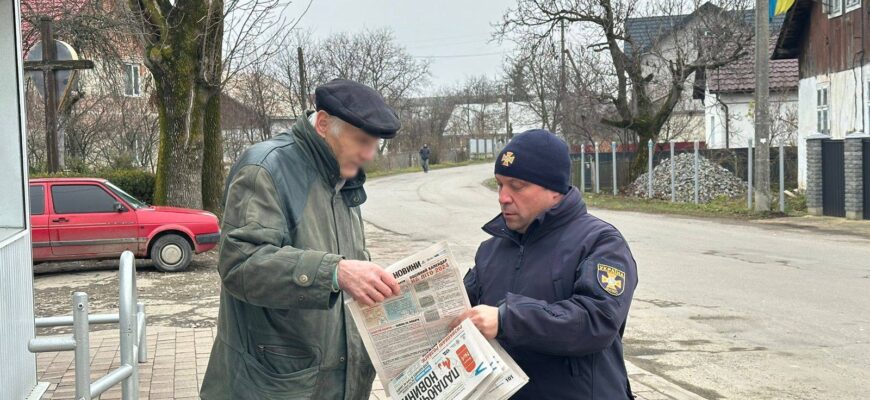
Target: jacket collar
(323, 158)
(571, 206)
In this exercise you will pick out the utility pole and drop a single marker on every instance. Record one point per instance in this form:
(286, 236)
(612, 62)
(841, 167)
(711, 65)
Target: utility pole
(303, 91)
(762, 108)
(507, 114)
(558, 114)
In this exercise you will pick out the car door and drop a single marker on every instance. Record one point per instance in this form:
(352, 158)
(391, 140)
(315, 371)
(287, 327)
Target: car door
(86, 223)
(39, 216)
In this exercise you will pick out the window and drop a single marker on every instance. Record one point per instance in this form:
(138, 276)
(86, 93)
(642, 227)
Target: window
(131, 80)
(852, 5)
(833, 7)
(73, 199)
(822, 111)
(37, 200)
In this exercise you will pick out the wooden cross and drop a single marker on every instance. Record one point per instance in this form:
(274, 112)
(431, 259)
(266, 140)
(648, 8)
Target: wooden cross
(49, 65)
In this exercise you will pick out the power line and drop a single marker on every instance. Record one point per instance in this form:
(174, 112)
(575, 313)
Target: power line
(464, 55)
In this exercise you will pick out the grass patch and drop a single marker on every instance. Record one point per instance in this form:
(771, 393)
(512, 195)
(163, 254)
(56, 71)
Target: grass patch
(718, 208)
(382, 173)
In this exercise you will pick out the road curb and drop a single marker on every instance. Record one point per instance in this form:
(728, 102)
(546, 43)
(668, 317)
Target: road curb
(649, 386)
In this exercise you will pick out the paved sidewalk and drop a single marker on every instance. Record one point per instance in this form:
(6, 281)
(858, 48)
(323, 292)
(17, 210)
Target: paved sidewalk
(177, 358)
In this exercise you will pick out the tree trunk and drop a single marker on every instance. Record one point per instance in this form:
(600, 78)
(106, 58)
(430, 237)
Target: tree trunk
(213, 163)
(179, 163)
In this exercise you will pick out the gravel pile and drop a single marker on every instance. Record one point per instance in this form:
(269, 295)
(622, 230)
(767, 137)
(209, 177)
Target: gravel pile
(714, 180)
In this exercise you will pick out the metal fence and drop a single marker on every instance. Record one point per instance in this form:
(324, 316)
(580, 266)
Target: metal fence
(133, 349)
(601, 168)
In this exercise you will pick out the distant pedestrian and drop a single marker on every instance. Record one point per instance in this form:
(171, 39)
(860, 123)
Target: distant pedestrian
(424, 157)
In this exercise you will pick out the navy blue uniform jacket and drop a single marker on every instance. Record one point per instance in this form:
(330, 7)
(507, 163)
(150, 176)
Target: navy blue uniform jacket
(563, 290)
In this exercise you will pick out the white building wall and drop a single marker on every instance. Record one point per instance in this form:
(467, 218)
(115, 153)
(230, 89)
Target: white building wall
(741, 120)
(18, 374)
(847, 105)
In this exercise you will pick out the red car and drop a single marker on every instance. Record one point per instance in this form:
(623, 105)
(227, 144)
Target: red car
(86, 218)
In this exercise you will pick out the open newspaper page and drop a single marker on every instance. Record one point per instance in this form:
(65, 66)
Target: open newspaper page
(458, 367)
(403, 328)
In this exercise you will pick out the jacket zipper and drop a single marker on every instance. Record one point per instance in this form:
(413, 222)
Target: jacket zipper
(335, 222)
(517, 269)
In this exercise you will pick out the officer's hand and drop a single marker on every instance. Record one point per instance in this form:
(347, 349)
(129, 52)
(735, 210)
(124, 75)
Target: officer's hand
(366, 282)
(485, 318)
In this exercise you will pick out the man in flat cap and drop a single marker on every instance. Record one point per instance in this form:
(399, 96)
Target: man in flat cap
(554, 284)
(292, 246)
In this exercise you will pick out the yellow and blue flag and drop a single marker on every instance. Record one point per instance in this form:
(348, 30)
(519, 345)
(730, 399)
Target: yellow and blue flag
(778, 7)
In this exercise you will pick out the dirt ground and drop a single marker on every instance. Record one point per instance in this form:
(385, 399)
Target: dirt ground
(186, 299)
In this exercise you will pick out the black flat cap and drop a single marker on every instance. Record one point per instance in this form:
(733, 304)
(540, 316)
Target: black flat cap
(358, 105)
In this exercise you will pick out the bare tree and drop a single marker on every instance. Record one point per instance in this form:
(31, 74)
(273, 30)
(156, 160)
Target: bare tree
(535, 73)
(372, 57)
(649, 82)
(192, 49)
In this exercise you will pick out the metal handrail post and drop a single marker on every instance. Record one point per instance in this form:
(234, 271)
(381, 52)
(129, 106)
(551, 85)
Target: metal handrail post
(128, 324)
(81, 332)
(142, 322)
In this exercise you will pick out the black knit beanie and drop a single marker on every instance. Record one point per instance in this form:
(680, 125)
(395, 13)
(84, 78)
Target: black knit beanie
(539, 157)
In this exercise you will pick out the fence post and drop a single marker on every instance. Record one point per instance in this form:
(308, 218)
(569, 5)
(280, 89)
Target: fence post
(583, 168)
(696, 172)
(597, 170)
(613, 148)
(673, 176)
(781, 178)
(649, 175)
(749, 157)
(81, 332)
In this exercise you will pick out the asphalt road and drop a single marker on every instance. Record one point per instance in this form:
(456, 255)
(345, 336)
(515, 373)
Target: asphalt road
(726, 309)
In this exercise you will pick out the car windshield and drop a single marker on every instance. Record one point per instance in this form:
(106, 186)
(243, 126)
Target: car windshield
(136, 203)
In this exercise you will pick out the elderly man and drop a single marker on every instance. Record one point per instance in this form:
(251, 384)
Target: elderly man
(292, 246)
(554, 284)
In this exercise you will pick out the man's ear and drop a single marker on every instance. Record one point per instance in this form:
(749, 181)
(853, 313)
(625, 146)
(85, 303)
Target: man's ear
(321, 123)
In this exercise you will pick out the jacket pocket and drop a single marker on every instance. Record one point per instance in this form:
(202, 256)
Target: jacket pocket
(271, 384)
(286, 360)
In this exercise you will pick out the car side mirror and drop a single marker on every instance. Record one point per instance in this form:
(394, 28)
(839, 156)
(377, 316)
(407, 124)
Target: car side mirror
(120, 207)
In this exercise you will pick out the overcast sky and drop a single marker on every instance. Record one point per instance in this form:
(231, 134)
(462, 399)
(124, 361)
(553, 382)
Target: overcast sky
(454, 34)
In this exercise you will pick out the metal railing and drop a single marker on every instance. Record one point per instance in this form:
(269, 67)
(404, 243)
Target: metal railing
(131, 319)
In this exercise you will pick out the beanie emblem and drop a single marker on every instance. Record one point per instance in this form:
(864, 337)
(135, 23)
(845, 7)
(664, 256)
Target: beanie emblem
(507, 158)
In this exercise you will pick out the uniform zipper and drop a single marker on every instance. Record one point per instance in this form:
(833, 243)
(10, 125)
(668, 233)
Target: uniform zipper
(517, 269)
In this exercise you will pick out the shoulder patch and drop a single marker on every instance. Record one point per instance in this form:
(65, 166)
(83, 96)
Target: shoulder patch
(611, 279)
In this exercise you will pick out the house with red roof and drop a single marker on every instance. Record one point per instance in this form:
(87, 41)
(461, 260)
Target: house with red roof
(730, 100)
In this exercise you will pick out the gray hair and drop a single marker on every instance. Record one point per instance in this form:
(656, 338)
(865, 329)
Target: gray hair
(335, 123)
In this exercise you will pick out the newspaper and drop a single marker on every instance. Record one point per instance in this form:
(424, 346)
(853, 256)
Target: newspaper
(402, 329)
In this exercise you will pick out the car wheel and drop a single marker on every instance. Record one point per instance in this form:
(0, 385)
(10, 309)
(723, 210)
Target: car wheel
(171, 253)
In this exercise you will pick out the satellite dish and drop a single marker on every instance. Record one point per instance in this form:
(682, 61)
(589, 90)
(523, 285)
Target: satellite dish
(64, 79)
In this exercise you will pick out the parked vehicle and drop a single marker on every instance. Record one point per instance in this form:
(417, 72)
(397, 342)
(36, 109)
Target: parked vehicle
(88, 218)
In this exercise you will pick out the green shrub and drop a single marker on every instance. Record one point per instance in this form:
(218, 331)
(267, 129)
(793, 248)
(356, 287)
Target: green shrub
(138, 183)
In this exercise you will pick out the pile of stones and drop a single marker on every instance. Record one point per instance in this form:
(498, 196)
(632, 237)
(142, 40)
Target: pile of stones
(713, 180)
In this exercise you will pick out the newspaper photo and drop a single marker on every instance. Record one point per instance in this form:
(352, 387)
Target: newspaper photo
(400, 332)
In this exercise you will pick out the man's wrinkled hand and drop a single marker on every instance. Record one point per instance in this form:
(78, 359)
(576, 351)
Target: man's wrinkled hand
(366, 281)
(485, 318)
